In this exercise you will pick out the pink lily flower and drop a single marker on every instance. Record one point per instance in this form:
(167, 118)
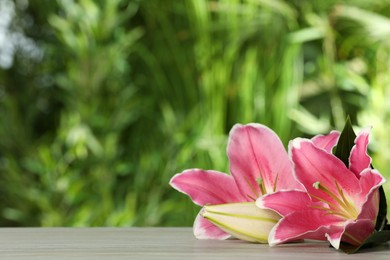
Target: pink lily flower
(338, 204)
(259, 164)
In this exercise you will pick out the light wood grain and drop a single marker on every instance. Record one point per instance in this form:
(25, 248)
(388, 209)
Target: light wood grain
(154, 243)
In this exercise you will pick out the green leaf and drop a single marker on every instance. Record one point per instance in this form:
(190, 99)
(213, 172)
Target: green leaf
(373, 240)
(345, 143)
(381, 220)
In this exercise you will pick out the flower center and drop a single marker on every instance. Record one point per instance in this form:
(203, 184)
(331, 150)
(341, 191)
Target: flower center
(260, 184)
(341, 205)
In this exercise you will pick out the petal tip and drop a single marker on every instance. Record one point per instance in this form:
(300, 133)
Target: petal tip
(376, 172)
(203, 229)
(260, 203)
(296, 143)
(237, 127)
(366, 129)
(335, 242)
(175, 180)
(272, 240)
(172, 181)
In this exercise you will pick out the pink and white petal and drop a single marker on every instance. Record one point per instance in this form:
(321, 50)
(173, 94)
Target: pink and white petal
(370, 179)
(315, 166)
(368, 199)
(369, 209)
(304, 224)
(358, 231)
(359, 158)
(334, 236)
(207, 187)
(353, 233)
(285, 202)
(204, 229)
(326, 142)
(256, 153)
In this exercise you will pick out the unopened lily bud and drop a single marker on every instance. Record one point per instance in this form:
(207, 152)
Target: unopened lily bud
(242, 220)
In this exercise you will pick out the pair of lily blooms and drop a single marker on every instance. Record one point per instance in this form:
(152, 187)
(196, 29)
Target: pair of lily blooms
(275, 197)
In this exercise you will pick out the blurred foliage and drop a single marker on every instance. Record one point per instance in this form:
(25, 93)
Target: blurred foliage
(102, 102)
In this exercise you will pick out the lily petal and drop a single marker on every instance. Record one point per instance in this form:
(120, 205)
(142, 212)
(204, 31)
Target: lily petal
(314, 168)
(207, 187)
(359, 158)
(284, 202)
(326, 142)
(204, 229)
(334, 236)
(353, 232)
(370, 181)
(242, 220)
(258, 160)
(303, 224)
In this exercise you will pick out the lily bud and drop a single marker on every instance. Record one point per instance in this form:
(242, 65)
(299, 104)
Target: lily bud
(242, 220)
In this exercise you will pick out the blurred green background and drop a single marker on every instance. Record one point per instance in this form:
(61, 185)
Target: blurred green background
(102, 102)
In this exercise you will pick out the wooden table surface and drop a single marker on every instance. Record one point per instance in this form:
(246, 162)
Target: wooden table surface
(154, 243)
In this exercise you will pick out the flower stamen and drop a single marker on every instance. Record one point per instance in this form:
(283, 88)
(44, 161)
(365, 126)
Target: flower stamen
(330, 211)
(275, 182)
(260, 182)
(255, 193)
(350, 208)
(344, 208)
